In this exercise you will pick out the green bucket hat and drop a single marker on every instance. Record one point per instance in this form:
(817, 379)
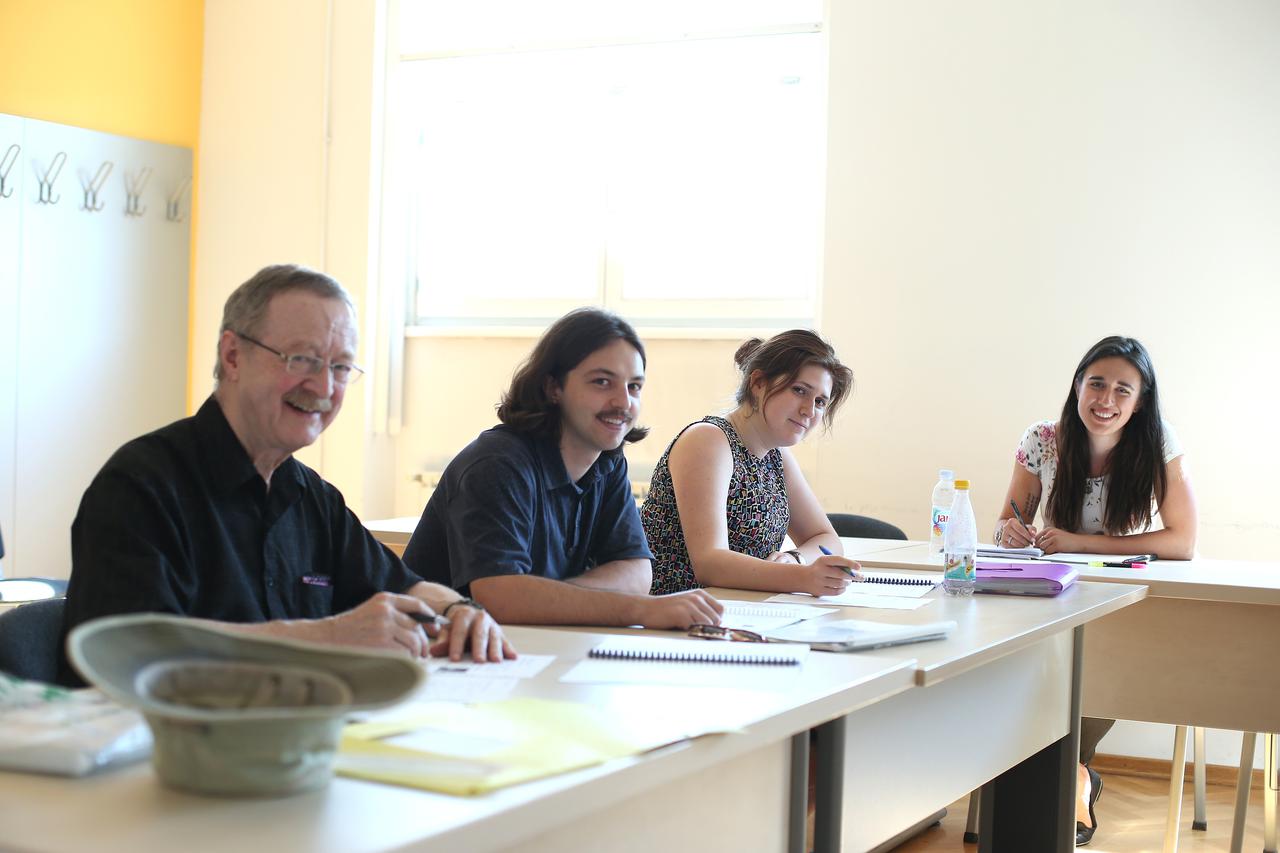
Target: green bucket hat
(231, 713)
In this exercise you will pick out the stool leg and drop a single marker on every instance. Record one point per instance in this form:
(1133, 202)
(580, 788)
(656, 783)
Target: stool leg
(1176, 772)
(971, 824)
(1270, 789)
(1199, 821)
(1248, 743)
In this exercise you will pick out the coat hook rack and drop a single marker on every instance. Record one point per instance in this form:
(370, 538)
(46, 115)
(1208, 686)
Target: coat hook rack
(134, 184)
(173, 207)
(50, 176)
(93, 187)
(6, 165)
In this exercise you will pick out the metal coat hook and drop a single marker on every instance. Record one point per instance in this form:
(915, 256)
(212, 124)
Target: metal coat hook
(93, 187)
(6, 165)
(172, 208)
(133, 187)
(51, 175)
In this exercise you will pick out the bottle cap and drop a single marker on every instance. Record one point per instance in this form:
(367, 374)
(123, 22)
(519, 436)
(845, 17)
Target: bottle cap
(962, 484)
(946, 474)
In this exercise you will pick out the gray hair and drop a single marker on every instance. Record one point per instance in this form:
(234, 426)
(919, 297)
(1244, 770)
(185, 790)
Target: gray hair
(247, 306)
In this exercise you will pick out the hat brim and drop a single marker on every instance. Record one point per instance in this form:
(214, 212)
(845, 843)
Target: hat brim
(111, 651)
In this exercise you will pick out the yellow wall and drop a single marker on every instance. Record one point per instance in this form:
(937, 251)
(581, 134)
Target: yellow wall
(130, 67)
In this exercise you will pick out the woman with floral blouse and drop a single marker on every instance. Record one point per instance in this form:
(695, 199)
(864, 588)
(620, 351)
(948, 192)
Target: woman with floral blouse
(1104, 470)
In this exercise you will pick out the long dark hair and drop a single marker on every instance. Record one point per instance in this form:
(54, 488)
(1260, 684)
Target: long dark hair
(526, 406)
(780, 360)
(1135, 465)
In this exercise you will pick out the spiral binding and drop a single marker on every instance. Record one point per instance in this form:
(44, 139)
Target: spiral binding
(692, 657)
(899, 581)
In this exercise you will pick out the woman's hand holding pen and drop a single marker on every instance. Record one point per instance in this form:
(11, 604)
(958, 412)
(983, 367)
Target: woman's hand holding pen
(1054, 541)
(827, 575)
(1014, 534)
(830, 574)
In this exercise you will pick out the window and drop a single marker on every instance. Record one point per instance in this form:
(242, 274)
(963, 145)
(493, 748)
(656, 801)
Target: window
(674, 178)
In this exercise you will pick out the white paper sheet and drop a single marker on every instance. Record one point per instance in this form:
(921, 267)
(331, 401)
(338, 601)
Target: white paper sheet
(745, 676)
(760, 616)
(852, 598)
(525, 666)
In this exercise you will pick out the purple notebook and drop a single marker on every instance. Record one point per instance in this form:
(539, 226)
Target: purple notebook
(1028, 578)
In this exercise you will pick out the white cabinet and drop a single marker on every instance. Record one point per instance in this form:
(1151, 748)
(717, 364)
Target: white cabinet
(93, 321)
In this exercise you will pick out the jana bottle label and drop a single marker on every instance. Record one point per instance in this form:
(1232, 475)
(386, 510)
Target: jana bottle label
(959, 566)
(940, 517)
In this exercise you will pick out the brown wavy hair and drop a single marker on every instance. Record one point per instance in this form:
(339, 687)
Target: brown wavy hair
(526, 406)
(780, 360)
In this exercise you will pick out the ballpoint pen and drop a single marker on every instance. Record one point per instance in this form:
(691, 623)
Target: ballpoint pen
(1018, 515)
(847, 571)
(430, 619)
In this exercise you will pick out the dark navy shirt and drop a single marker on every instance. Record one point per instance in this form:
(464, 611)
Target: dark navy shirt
(506, 506)
(180, 521)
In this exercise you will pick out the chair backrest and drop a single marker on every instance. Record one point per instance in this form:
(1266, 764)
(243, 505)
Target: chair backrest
(864, 526)
(29, 637)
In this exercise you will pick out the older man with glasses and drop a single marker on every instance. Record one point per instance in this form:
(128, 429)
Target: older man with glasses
(212, 517)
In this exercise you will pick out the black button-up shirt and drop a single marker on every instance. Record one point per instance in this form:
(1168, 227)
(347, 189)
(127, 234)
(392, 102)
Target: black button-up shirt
(179, 521)
(506, 506)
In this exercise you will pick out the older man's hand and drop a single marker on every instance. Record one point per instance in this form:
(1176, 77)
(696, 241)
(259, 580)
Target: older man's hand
(473, 626)
(386, 621)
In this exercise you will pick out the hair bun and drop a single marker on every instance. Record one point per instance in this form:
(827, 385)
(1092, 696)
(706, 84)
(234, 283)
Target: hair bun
(743, 355)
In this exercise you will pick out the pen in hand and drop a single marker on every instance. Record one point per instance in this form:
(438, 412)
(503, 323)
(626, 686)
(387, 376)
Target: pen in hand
(430, 619)
(850, 572)
(1021, 520)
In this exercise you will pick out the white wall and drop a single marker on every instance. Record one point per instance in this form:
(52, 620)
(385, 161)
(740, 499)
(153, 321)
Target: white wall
(289, 154)
(1008, 183)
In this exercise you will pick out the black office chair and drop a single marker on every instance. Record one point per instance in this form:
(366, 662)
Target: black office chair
(29, 637)
(863, 527)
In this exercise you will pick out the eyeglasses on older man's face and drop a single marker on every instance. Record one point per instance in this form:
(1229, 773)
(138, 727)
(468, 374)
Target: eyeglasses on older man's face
(309, 365)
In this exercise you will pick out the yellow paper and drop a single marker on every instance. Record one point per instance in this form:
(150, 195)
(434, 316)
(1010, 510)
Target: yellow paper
(485, 746)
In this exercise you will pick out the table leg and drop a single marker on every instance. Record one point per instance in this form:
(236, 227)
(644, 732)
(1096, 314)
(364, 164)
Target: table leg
(1031, 806)
(1176, 772)
(1199, 821)
(830, 786)
(1244, 778)
(1270, 790)
(799, 793)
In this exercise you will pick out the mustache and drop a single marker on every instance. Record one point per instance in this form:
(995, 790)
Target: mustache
(310, 402)
(620, 414)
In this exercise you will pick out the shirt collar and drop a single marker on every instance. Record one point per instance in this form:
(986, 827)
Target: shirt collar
(225, 460)
(557, 476)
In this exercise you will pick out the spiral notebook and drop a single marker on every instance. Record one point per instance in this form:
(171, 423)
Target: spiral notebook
(660, 650)
(913, 579)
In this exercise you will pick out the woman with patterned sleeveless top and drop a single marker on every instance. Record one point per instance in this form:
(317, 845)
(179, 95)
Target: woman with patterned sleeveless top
(728, 489)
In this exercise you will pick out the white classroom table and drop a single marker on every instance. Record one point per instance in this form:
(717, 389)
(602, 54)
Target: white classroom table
(1200, 650)
(878, 716)
(394, 531)
(996, 706)
(1003, 646)
(727, 792)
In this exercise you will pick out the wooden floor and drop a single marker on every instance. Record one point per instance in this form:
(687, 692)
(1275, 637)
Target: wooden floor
(1131, 815)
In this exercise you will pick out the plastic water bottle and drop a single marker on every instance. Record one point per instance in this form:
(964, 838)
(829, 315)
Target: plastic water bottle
(944, 493)
(960, 545)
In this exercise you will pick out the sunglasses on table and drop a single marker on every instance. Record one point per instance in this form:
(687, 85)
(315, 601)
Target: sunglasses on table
(719, 632)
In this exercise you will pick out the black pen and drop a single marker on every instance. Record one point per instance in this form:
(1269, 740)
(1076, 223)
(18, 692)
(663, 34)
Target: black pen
(1018, 515)
(1021, 521)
